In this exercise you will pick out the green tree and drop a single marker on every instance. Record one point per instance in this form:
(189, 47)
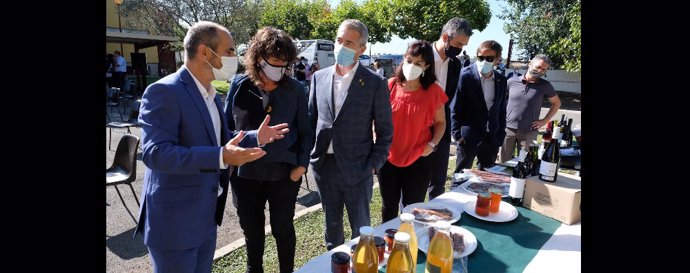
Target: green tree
(173, 17)
(289, 15)
(377, 16)
(424, 19)
(551, 27)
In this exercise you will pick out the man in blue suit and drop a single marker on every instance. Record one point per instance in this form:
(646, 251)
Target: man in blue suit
(478, 111)
(345, 100)
(183, 132)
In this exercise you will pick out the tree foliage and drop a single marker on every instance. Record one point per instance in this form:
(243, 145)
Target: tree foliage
(550, 27)
(173, 17)
(306, 19)
(424, 19)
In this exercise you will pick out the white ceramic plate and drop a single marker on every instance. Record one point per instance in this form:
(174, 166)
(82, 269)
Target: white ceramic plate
(506, 212)
(510, 163)
(465, 187)
(433, 205)
(468, 238)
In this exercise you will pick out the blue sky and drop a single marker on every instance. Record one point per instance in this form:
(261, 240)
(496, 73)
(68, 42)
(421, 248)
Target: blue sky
(493, 31)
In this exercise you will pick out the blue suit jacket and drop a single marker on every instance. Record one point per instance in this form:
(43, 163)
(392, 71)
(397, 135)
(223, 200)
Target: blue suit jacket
(180, 203)
(468, 109)
(367, 103)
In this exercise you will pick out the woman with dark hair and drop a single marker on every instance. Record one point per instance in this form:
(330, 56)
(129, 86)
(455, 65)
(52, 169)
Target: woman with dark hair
(265, 90)
(417, 103)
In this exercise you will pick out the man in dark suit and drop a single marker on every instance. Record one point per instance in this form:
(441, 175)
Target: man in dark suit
(186, 177)
(454, 35)
(478, 111)
(345, 100)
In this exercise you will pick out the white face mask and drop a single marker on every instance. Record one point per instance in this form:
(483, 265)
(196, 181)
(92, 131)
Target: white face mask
(411, 71)
(274, 73)
(227, 69)
(484, 66)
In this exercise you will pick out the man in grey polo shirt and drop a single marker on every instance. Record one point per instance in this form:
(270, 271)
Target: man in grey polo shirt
(525, 96)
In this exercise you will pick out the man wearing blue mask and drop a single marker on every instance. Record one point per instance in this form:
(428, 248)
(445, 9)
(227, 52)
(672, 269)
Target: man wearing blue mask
(478, 111)
(454, 36)
(187, 150)
(525, 97)
(345, 100)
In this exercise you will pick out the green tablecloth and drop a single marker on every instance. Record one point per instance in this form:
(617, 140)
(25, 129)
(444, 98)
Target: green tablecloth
(502, 247)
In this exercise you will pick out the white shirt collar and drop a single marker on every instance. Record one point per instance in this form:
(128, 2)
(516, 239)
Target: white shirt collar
(204, 93)
(350, 73)
(437, 57)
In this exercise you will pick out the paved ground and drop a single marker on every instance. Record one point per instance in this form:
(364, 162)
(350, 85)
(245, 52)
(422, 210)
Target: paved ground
(127, 255)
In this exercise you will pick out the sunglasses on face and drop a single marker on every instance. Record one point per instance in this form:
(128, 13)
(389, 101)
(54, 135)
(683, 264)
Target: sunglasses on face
(488, 58)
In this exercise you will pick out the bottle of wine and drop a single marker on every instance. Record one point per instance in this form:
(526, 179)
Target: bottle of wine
(536, 161)
(563, 120)
(517, 181)
(568, 134)
(528, 160)
(548, 132)
(548, 170)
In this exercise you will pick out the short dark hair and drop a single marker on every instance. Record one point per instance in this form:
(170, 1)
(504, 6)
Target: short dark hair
(268, 42)
(203, 32)
(423, 49)
(493, 45)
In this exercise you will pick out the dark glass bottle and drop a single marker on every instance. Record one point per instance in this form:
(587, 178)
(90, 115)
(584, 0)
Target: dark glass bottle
(547, 134)
(536, 162)
(517, 181)
(548, 170)
(528, 160)
(568, 134)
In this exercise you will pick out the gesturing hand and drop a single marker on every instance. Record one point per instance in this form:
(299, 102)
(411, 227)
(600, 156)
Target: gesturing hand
(268, 134)
(236, 156)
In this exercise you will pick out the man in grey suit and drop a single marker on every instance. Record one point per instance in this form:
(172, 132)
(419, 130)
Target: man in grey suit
(345, 100)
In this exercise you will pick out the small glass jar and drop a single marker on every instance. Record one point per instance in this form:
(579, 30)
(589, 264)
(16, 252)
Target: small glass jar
(340, 262)
(380, 244)
(390, 238)
(483, 203)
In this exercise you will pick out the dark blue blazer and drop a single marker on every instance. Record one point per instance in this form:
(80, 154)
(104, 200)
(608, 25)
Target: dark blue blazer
(180, 203)
(367, 103)
(468, 109)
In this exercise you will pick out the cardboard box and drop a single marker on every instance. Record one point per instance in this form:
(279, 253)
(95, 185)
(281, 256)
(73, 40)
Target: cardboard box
(559, 200)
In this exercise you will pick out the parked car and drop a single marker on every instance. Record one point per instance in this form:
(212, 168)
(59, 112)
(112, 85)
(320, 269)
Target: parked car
(365, 60)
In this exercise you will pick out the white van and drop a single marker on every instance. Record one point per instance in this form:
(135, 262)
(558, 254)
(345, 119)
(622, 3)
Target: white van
(319, 49)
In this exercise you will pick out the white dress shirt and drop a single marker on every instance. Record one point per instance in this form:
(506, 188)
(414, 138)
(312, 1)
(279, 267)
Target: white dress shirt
(440, 68)
(208, 96)
(488, 88)
(340, 86)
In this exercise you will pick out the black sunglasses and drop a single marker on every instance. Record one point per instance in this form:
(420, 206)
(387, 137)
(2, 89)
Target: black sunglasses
(488, 58)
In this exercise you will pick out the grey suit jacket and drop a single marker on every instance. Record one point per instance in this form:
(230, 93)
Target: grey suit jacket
(367, 103)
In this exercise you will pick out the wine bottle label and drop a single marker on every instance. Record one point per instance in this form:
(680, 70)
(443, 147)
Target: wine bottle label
(517, 187)
(548, 170)
(430, 268)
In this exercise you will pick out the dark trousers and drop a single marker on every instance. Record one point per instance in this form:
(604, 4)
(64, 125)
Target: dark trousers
(335, 195)
(411, 181)
(193, 260)
(249, 197)
(119, 79)
(439, 168)
(484, 151)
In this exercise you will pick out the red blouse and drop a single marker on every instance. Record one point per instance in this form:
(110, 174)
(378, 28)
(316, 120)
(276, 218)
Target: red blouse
(413, 115)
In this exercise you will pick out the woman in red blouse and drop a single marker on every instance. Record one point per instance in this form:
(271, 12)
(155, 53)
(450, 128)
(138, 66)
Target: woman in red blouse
(417, 103)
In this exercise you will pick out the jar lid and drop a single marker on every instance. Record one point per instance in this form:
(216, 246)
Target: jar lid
(340, 258)
(391, 232)
(406, 217)
(379, 241)
(402, 237)
(366, 230)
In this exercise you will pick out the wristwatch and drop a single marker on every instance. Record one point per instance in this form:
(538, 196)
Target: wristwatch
(432, 145)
